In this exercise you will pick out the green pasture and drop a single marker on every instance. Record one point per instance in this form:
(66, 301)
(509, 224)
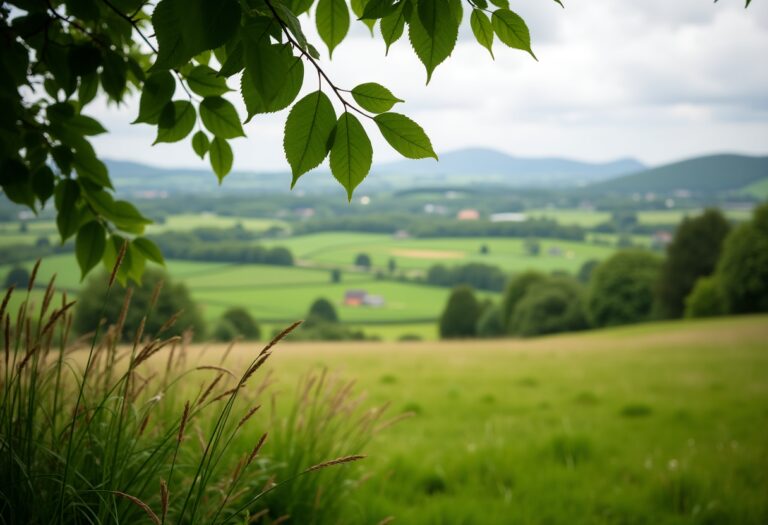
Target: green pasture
(191, 221)
(591, 218)
(758, 189)
(658, 424)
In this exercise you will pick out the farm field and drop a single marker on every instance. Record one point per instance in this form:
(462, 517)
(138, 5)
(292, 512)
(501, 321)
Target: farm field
(591, 218)
(657, 424)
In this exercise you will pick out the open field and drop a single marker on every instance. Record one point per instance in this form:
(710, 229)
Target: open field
(591, 218)
(653, 424)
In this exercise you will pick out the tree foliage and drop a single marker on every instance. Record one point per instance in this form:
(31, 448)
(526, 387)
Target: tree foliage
(187, 59)
(237, 322)
(321, 311)
(94, 305)
(17, 276)
(622, 288)
(461, 313)
(548, 307)
(692, 254)
(516, 290)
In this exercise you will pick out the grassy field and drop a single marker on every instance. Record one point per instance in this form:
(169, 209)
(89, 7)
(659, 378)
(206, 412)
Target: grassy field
(591, 218)
(653, 424)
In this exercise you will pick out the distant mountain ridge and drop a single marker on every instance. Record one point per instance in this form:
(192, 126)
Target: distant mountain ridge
(496, 167)
(711, 173)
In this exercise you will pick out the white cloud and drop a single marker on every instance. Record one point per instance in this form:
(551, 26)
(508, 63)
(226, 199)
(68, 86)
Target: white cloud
(657, 80)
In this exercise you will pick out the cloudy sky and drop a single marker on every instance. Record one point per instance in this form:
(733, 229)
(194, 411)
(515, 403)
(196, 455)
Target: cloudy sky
(658, 80)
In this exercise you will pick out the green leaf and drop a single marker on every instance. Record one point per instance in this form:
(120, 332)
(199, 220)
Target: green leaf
(85, 125)
(220, 117)
(308, 132)
(275, 91)
(89, 87)
(483, 29)
(114, 75)
(376, 9)
(374, 97)
(89, 167)
(185, 28)
(358, 8)
(332, 19)
(433, 33)
(89, 246)
(392, 25)
(221, 158)
(204, 81)
(405, 136)
(502, 4)
(234, 63)
(351, 153)
(511, 30)
(43, 181)
(148, 249)
(157, 92)
(122, 213)
(200, 144)
(176, 121)
(66, 194)
(16, 182)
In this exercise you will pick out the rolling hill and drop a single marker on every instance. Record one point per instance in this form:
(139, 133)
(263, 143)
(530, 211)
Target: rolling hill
(709, 174)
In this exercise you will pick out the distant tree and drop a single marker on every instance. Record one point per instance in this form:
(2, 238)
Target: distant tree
(23, 227)
(94, 304)
(548, 307)
(42, 242)
(515, 291)
(242, 322)
(491, 322)
(625, 241)
(693, 253)
(322, 311)
(363, 260)
(459, 318)
(18, 277)
(279, 256)
(484, 250)
(706, 299)
(624, 220)
(335, 275)
(585, 272)
(622, 288)
(392, 265)
(532, 247)
(743, 267)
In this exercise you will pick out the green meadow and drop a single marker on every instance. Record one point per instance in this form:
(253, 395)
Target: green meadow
(652, 424)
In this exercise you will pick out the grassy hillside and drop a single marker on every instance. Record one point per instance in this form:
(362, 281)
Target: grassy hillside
(653, 424)
(713, 173)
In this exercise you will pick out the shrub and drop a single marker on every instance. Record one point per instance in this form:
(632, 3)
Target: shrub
(549, 307)
(18, 277)
(460, 316)
(515, 291)
(706, 299)
(321, 311)
(243, 323)
(743, 268)
(158, 295)
(532, 247)
(622, 289)
(692, 254)
(363, 260)
(335, 275)
(225, 331)
(585, 272)
(491, 323)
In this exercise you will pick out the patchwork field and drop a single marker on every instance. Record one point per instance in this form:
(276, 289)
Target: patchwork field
(653, 424)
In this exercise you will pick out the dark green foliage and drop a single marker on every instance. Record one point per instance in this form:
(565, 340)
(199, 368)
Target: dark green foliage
(636, 410)
(570, 450)
(363, 260)
(743, 267)
(335, 275)
(225, 245)
(321, 311)
(18, 277)
(491, 322)
(622, 289)
(532, 247)
(93, 305)
(516, 290)
(692, 254)
(242, 323)
(585, 272)
(706, 299)
(459, 318)
(477, 275)
(548, 307)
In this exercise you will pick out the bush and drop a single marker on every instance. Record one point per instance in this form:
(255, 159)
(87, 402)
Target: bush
(622, 289)
(706, 299)
(363, 260)
(239, 323)
(459, 318)
(743, 267)
(692, 254)
(549, 307)
(18, 277)
(585, 272)
(477, 275)
(491, 322)
(96, 302)
(321, 311)
(225, 331)
(516, 289)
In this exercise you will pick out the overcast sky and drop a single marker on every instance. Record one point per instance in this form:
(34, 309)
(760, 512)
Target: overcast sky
(658, 80)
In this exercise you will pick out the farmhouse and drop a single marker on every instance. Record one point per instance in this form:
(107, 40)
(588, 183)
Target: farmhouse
(357, 298)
